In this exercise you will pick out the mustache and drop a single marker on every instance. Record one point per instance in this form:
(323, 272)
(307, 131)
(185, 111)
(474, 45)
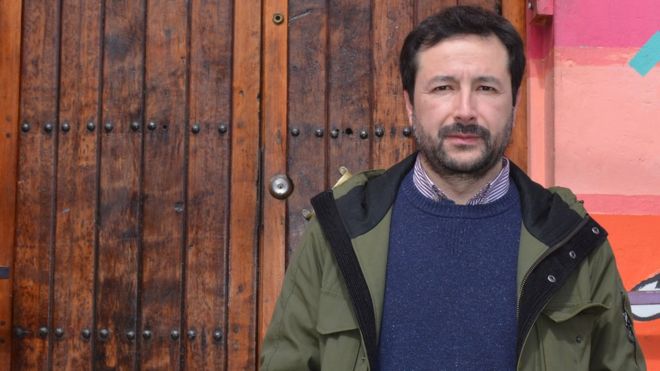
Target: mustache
(458, 128)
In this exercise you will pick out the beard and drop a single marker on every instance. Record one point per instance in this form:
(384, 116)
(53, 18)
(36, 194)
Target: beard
(446, 165)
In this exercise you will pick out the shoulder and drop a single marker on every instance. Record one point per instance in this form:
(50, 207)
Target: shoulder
(350, 181)
(570, 199)
(378, 181)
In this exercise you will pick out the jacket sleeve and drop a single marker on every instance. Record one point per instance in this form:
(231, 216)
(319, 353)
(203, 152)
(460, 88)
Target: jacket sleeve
(291, 342)
(614, 346)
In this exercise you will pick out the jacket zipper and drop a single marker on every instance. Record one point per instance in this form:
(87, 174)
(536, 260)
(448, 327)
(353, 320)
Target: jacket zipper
(549, 251)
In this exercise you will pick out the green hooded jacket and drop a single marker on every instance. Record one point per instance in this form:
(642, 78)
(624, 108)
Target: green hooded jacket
(573, 312)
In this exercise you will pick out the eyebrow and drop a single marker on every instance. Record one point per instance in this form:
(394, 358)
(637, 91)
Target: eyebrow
(448, 78)
(442, 78)
(489, 79)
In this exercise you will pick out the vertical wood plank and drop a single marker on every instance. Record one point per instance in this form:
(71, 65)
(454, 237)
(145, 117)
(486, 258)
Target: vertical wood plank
(164, 179)
(36, 186)
(486, 4)
(393, 19)
(76, 184)
(426, 8)
(274, 142)
(515, 12)
(10, 67)
(244, 219)
(307, 110)
(119, 191)
(349, 85)
(208, 185)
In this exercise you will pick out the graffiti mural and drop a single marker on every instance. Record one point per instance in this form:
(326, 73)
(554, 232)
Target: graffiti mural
(594, 100)
(645, 299)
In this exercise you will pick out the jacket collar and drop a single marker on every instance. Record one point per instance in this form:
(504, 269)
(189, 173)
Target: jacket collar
(545, 214)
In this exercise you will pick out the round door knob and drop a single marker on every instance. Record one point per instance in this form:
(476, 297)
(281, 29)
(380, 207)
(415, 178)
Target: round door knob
(280, 186)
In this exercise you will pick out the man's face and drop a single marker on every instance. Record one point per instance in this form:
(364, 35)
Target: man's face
(463, 109)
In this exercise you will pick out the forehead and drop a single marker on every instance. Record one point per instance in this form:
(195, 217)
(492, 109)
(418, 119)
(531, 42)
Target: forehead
(464, 53)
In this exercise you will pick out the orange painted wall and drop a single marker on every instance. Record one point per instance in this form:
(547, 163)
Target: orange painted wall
(594, 126)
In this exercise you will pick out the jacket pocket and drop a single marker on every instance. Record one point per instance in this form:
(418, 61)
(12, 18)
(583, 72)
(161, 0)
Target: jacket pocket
(339, 335)
(565, 335)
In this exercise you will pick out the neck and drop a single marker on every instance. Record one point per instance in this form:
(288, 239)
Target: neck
(460, 188)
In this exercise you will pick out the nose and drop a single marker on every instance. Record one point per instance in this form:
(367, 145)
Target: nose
(465, 107)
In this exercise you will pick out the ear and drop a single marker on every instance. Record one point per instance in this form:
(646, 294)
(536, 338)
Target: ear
(409, 107)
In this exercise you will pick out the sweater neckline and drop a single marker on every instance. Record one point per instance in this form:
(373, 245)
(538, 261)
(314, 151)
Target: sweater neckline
(450, 209)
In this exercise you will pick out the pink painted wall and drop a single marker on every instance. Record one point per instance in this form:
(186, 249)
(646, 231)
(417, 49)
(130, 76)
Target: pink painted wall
(594, 126)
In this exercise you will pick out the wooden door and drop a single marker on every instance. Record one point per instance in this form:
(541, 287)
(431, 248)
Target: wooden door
(144, 141)
(129, 253)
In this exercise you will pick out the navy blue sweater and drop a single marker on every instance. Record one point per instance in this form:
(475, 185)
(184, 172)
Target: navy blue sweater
(450, 296)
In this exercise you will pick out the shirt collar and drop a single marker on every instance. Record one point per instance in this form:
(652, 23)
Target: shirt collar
(492, 191)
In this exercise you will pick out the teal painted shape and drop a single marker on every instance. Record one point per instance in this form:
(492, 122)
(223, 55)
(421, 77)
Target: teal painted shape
(648, 56)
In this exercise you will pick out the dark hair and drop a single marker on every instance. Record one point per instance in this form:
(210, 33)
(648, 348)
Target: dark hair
(461, 20)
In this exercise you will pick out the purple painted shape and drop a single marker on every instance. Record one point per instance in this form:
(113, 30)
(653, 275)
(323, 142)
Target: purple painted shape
(644, 297)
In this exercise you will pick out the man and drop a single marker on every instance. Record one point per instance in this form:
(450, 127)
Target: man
(453, 259)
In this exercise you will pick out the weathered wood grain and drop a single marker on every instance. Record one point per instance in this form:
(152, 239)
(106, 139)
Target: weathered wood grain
(76, 184)
(349, 85)
(244, 211)
(10, 66)
(164, 179)
(208, 184)
(36, 184)
(393, 19)
(426, 8)
(119, 239)
(272, 250)
(517, 151)
(307, 110)
(486, 4)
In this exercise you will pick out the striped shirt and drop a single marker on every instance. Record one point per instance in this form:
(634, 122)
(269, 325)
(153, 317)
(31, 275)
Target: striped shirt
(491, 192)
